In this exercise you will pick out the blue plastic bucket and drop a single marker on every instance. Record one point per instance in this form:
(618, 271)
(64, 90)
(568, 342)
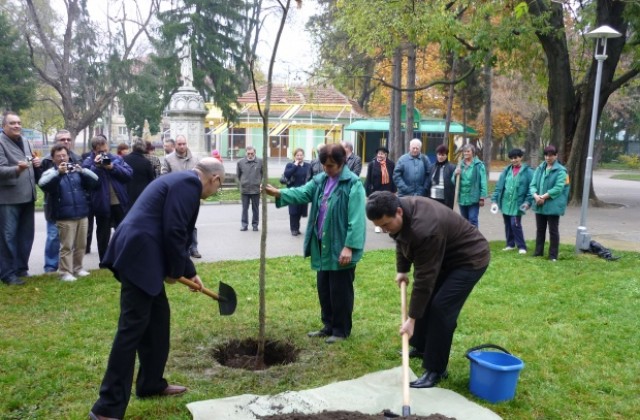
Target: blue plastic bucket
(494, 375)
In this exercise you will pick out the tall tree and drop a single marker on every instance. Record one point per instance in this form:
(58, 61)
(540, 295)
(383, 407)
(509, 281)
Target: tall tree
(570, 101)
(17, 83)
(215, 31)
(147, 93)
(84, 62)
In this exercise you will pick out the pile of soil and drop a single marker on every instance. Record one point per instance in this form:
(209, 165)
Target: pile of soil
(349, 415)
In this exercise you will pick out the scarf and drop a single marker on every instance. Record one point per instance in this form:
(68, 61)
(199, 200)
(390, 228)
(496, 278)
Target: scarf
(385, 173)
(436, 175)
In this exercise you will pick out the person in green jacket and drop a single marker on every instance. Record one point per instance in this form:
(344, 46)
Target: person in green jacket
(550, 191)
(334, 238)
(512, 197)
(473, 184)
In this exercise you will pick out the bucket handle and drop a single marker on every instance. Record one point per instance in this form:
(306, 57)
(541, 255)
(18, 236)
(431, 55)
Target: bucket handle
(485, 346)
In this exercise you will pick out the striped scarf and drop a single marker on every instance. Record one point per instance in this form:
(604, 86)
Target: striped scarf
(385, 173)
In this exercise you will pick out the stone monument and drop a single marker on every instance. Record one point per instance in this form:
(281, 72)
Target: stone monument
(186, 108)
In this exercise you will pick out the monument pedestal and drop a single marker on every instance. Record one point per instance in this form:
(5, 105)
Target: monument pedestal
(186, 114)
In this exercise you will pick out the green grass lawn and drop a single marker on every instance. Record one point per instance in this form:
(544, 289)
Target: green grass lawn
(574, 323)
(627, 177)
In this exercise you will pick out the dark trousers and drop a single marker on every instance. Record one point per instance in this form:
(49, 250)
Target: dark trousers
(103, 228)
(143, 329)
(91, 217)
(433, 333)
(194, 241)
(254, 199)
(542, 221)
(17, 227)
(335, 292)
(513, 231)
(294, 222)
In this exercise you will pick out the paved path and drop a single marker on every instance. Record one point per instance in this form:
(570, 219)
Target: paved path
(220, 237)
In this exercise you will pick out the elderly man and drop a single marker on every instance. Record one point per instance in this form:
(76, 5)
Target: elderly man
(20, 170)
(249, 172)
(448, 255)
(354, 163)
(182, 160)
(158, 225)
(52, 243)
(412, 174)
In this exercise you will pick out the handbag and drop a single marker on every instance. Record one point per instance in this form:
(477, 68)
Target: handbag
(284, 180)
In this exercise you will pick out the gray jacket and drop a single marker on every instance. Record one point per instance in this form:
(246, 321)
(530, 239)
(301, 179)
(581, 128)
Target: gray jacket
(174, 163)
(16, 188)
(249, 174)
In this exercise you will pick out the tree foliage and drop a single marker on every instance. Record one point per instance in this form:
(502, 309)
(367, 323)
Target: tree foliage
(17, 83)
(85, 63)
(148, 91)
(216, 32)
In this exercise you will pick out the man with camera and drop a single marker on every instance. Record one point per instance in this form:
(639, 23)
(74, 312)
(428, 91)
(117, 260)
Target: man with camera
(52, 244)
(110, 200)
(66, 185)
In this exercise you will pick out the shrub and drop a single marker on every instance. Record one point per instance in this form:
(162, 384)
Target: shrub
(632, 161)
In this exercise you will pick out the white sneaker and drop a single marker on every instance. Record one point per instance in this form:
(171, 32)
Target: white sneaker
(508, 248)
(522, 251)
(82, 273)
(68, 277)
(378, 229)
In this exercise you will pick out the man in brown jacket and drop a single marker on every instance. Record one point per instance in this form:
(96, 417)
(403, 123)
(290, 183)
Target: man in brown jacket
(449, 256)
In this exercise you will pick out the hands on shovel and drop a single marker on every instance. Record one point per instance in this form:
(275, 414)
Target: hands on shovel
(409, 324)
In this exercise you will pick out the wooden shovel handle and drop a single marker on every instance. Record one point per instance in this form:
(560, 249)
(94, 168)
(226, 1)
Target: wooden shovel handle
(405, 346)
(194, 285)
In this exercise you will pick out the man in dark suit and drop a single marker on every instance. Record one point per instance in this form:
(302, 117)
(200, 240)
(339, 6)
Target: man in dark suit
(151, 246)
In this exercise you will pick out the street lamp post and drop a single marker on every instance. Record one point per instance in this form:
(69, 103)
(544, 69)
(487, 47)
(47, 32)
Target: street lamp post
(601, 34)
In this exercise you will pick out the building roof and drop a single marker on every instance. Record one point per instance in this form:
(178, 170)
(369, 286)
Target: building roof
(302, 95)
(426, 126)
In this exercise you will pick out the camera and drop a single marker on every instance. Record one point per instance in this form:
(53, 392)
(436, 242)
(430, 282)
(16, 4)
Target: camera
(29, 159)
(71, 167)
(105, 159)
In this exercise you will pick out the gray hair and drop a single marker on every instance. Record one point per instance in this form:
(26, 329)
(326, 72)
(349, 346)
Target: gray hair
(210, 166)
(139, 146)
(469, 146)
(416, 141)
(347, 145)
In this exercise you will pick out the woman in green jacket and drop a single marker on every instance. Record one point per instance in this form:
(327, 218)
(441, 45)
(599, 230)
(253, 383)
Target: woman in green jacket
(334, 238)
(550, 190)
(512, 197)
(473, 184)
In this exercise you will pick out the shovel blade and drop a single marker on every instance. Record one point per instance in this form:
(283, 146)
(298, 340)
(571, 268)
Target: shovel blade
(227, 299)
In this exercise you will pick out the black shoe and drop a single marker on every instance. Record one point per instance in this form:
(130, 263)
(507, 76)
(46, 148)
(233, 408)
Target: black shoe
(428, 379)
(255, 228)
(195, 254)
(321, 333)
(13, 281)
(24, 273)
(413, 353)
(244, 229)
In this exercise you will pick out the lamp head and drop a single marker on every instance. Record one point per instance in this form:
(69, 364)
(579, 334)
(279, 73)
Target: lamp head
(603, 31)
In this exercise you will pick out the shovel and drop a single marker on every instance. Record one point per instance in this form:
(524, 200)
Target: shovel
(406, 409)
(226, 296)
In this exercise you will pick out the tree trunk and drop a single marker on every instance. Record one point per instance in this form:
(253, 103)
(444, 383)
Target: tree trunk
(395, 130)
(486, 146)
(452, 91)
(411, 95)
(534, 133)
